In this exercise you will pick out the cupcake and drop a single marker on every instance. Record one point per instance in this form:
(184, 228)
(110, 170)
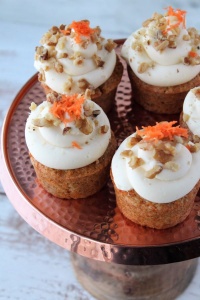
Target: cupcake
(76, 57)
(155, 173)
(163, 60)
(71, 146)
(190, 116)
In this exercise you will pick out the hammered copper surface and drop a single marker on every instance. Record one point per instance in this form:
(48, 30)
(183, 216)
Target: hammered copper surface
(96, 218)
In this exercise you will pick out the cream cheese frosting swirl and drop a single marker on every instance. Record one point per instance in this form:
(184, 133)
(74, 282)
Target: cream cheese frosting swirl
(67, 143)
(159, 171)
(191, 110)
(163, 52)
(75, 57)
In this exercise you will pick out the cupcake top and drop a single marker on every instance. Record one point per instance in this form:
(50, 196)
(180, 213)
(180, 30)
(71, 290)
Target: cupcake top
(75, 57)
(191, 110)
(157, 162)
(164, 52)
(68, 133)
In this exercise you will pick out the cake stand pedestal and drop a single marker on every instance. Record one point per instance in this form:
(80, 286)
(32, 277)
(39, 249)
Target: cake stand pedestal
(108, 281)
(113, 258)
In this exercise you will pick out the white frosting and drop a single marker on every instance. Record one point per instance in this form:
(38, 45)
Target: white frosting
(168, 185)
(167, 67)
(88, 70)
(51, 148)
(191, 107)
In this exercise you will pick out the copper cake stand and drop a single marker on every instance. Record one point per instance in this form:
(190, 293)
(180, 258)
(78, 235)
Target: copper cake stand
(94, 228)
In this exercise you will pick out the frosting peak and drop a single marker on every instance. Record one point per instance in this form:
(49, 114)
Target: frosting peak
(69, 133)
(74, 57)
(160, 167)
(163, 52)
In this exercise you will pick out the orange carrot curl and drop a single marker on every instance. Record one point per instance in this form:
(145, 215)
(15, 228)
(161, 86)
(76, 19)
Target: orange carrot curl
(179, 14)
(81, 28)
(72, 105)
(161, 131)
(76, 145)
(193, 54)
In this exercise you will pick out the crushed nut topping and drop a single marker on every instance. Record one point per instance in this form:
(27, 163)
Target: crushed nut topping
(126, 153)
(197, 93)
(33, 106)
(98, 61)
(66, 130)
(153, 172)
(58, 67)
(103, 129)
(83, 84)
(110, 45)
(68, 85)
(42, 122)
(84, 125)
(52, 97)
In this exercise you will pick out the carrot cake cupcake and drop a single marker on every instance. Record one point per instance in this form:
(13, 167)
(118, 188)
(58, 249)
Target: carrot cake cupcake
(190, 116)
(71, 145)
(163, 60)
(76, 57)
(155, 173)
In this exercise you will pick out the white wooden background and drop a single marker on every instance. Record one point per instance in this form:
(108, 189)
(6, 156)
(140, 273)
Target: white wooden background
(31, 267)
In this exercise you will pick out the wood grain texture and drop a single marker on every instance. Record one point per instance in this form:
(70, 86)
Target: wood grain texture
(31, 267)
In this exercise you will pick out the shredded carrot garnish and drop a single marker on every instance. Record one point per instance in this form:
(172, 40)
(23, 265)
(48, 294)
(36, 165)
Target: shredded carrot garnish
(179, 14)
(72, 105)
(193, 54)
(162, 130)
(81, 28)
(76, 145)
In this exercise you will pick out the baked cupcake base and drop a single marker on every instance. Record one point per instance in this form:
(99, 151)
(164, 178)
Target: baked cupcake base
(161, 100)
(104, 95)
(154, 215)
(77, 183)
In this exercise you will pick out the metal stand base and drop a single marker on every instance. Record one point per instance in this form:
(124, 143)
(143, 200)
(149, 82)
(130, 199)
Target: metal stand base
(108, 281)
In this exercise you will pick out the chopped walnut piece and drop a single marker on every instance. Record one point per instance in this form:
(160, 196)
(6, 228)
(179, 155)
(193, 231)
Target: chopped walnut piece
(41, 76)
(103, 129)
(196, 138)
(171, 165)
(61, 43)
(98, 61)
(88, 108)
(41, 53)
(41, 122)
(143, 67)
(84, 125)
(66, 130)
(78, 60)
(197, 93)
(135, 162)
(83, 84)
(88, 93)
(58, 67)
(126, 153)
(137, 46)
(110, 45)
(153, 172)
(194, 147)
(162, 157)
(53, 40)
(54, 29)
(52, 97)
(33, 106)
(132, 141)
(68, 85)
(162, 45)
(186, 37)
